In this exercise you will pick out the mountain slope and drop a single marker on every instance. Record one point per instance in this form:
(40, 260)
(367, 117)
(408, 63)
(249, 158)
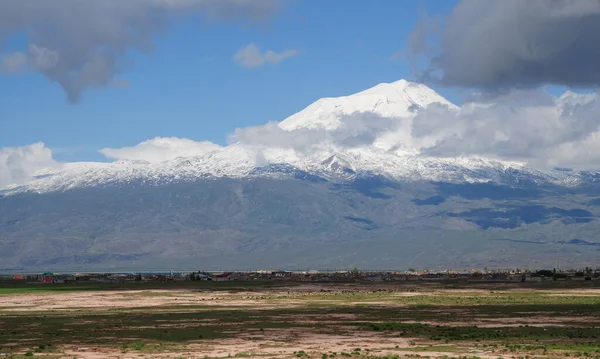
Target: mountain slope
(297, 224)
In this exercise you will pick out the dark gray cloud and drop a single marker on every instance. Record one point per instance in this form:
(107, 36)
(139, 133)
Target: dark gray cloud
(516, 43)
(82, 43)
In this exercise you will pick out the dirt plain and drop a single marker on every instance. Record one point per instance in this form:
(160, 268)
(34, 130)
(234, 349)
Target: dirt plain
(316, 320)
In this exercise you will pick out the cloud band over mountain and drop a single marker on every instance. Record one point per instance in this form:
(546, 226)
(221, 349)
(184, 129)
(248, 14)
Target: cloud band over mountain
(524, 126)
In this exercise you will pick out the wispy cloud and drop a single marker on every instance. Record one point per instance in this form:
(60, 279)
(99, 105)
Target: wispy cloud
(251, 56)
(120, 83)
(398, 55)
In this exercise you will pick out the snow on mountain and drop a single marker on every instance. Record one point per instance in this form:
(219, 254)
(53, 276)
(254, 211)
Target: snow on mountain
(396, 99)
(382, 156)
(239, 162)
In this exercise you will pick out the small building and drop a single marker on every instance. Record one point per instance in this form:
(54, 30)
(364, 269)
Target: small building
(48, 277)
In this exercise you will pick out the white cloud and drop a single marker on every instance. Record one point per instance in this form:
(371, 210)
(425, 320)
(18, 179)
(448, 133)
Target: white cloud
(160, 149)
(356, 130)
(532, 127)
(12, 63)
(20, 164)
(251, 56)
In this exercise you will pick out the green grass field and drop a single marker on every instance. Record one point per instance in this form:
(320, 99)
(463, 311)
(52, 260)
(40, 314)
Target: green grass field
(218, 320)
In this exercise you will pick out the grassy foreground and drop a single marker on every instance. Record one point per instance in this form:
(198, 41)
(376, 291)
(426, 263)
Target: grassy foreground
(367, 321)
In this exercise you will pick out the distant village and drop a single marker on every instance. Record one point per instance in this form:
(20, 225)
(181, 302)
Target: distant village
(341, 276)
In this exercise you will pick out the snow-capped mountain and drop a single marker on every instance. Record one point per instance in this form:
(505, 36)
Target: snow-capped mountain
(334, 138)
(399, 99)
(349, 181)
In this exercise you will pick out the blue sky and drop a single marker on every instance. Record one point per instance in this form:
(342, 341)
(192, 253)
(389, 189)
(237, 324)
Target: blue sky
(189, 85)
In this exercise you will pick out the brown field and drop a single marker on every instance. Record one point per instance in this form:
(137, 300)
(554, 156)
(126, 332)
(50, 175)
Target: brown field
(250, 320)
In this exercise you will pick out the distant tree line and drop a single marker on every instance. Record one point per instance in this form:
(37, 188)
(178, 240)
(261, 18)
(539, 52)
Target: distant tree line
(587, 273)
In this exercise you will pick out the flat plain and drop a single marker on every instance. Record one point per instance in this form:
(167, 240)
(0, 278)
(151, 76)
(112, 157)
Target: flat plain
(301, 320)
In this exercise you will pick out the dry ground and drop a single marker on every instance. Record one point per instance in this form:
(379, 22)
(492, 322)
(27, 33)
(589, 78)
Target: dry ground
(243, 320)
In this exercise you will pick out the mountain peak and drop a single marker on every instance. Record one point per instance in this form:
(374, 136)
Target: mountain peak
(338, 164)
(399, 85)
(396, 99)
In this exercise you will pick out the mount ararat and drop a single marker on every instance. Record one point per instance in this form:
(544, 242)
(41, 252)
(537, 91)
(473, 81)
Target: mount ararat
(356, 181)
